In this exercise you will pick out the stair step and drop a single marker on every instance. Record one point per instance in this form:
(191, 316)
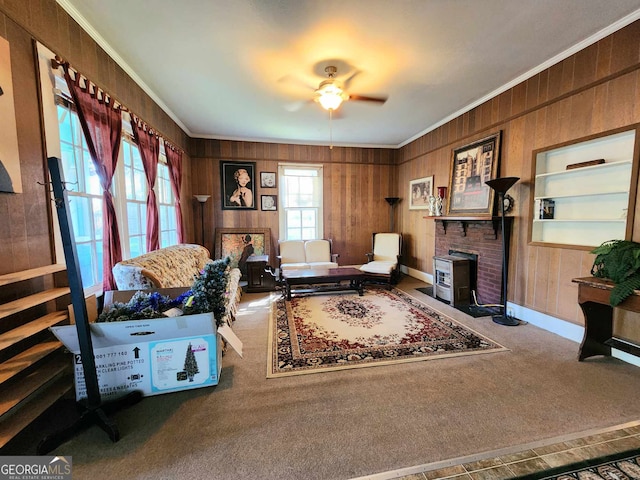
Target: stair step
(34, 300)
(17, 334)
(26, 359)
(11, 399)
(10, 278)
(21, 419)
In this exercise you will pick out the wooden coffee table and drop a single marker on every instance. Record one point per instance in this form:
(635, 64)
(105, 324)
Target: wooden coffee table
(323, 280)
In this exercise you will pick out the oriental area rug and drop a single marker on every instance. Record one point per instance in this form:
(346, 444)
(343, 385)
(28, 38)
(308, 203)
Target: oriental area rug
(320, 333)
(617, 466)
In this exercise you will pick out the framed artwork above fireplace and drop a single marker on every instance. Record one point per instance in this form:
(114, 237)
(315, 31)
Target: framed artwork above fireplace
(472, 166)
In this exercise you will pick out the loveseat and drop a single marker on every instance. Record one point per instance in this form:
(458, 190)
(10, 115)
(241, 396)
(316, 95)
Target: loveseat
(170, 267)
(306, 254)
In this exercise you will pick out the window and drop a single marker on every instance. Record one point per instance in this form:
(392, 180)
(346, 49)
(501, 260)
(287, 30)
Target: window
(301, 199)
(85, 195)
(129, 191)
(166, 204)
(134, 226)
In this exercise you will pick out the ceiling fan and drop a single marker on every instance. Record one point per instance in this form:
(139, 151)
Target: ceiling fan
(331, 92)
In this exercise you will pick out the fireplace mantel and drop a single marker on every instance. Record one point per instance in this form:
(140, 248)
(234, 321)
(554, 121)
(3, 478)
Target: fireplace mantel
(464, 221)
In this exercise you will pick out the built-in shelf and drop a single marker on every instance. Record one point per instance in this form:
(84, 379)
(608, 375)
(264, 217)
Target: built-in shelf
(581, 220)
(585, 194)
(586, 205)
(35, 370)
(575, 172)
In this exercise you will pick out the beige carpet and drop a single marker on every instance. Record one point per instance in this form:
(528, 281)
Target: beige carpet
(321, 333)
(355, 422)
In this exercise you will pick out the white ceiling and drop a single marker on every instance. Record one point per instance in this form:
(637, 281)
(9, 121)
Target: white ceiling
(242, 69)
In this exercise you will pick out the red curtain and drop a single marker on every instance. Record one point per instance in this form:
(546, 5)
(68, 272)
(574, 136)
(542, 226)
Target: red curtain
(174, 162)
(101, 124)
(149, 146)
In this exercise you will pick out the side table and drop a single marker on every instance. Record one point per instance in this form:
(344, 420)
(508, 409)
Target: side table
(593, 298)
(259, 280)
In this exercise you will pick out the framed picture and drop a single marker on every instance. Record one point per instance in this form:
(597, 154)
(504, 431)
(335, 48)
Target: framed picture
(268, 179)
(269, 202)
(237, 182)
(240, 243)
(472, 166)
(419, 192)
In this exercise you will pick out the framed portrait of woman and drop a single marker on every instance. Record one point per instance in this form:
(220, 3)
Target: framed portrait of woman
(268, 179)
(238, 185)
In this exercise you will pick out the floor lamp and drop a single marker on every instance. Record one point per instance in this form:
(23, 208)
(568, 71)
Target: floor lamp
(391, 201)
(501, 185)
(202, 199)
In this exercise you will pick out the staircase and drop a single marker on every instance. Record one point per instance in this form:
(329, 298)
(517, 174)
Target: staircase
(34, 369)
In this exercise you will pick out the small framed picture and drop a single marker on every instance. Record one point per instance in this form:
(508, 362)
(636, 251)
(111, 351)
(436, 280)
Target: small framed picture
(420, 190)
(269, 202)
(268, 179)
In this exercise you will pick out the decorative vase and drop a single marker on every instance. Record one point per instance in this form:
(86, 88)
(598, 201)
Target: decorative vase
(433, 208)
(442, 196)
(439, 204)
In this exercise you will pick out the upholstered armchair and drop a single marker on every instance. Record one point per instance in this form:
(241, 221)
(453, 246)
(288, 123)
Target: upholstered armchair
(383, 263)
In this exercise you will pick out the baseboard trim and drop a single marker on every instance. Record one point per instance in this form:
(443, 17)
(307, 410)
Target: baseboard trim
(565, 329)
(412, 272)
(560, 327)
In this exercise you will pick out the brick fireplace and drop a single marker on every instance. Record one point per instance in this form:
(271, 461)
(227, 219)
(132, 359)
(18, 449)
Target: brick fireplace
(479, 237)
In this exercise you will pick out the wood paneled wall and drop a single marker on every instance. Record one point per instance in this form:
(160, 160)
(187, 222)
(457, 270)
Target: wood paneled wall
(593, 91)
(25, 238)
(356, 181)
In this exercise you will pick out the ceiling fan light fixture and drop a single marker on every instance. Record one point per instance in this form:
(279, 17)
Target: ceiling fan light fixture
(330, 95)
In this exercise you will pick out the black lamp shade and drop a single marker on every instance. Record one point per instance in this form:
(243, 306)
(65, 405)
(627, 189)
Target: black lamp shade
(501, 185)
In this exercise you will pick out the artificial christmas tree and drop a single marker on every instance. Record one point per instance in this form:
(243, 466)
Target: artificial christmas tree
(190, 364)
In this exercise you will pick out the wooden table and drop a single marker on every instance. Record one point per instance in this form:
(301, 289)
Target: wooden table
(326, 279)
(259, 277)
(593, 297)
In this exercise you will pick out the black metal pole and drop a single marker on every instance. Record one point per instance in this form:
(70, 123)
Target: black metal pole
(503, 318)
(75, 284)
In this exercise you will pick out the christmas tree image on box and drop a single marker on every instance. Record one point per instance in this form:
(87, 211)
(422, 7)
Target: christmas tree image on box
(190, 364)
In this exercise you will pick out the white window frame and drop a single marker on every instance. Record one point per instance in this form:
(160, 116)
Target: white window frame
(132, 212)
(294, 197)
(166, 202)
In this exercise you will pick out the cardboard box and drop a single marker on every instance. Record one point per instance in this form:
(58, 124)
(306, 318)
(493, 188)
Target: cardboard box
(155, 356)
(151, 356)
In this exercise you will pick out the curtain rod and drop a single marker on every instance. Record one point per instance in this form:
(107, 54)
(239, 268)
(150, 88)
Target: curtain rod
(58, 62)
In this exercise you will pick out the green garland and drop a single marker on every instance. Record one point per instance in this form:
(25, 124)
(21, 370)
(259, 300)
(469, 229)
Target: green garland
(209, 291)
(207, 294)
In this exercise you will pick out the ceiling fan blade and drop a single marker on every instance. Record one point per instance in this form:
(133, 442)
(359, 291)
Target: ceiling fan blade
(293, 80)
(347, 81)
(295, 106)
(364, 98)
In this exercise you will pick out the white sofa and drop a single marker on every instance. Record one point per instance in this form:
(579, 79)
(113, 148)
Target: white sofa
(306, 254)
(172, 267)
